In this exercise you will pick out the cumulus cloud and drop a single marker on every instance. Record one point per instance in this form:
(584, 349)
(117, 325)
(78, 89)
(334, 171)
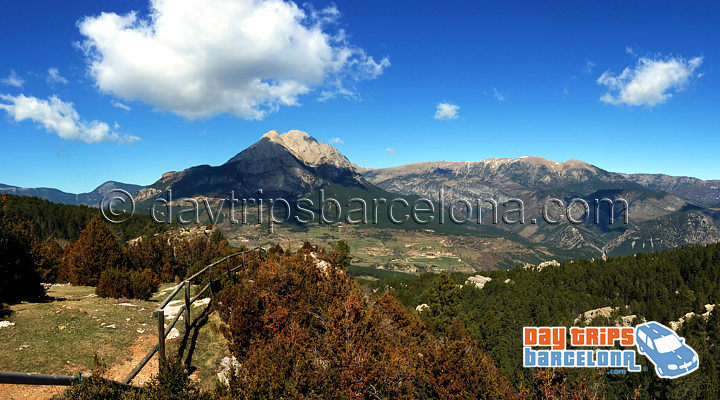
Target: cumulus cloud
(390, 151)
(247, 58)
(336, 141)
(60, 117)
(13, 79)
(650, 82)
(53, 76)
(121, 106)
(446, 111)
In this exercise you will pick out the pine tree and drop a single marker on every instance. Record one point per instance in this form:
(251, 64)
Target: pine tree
(18, 276)
(95, 251)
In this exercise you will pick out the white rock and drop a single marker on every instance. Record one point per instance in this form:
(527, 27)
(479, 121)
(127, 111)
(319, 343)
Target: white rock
(225, 365)
(174, 333)
(173, 308)
(628, 319)
(478, 280)
(422, 307)
(5, 324)
(544, 264)
(588, 316)
(201, 302)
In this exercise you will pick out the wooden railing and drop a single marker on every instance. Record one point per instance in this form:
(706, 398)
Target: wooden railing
(20, 378)
(159, 312)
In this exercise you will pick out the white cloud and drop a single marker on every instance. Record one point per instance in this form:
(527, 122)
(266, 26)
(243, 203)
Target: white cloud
(336, 141)
(242, 57)
(498, 96)
(629, 50)
(589, 65)
(650, 82)
(61, 118)
(390, 151)
(13, 79)
(53, 76)
(446, 111)
(121, 106)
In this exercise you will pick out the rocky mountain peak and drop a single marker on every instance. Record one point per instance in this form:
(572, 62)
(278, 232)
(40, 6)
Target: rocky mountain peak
(301, 145)
(535, 161)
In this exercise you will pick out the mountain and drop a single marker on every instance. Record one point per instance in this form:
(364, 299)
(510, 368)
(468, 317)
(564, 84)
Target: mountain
(58, 196)
(499, 178)
(664, 211)
(698, 190)
(291, 164)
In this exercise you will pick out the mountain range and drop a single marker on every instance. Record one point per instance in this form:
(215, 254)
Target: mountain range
(664, 211)
(92, 198)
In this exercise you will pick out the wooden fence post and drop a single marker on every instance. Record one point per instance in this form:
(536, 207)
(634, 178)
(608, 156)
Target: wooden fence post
(211, 281)
(161, 338)
(187, 307)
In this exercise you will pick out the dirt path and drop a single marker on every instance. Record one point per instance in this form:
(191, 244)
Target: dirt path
(137, 351)
(29, 392)
(117, 372)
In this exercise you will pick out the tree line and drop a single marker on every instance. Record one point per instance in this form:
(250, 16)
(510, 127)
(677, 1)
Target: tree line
(95, 253)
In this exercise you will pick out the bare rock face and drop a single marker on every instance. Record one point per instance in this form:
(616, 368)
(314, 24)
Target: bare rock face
(304, 147)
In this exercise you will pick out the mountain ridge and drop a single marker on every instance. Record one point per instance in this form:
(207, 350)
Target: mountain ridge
(666, 211)
(91, 198)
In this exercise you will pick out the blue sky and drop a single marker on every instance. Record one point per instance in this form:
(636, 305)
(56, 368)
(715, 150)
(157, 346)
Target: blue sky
(87, 97)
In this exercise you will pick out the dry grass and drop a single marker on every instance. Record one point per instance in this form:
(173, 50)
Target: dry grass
(63, 335)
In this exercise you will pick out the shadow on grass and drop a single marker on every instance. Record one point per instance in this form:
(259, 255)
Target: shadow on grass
(189, 340)
(5, 311)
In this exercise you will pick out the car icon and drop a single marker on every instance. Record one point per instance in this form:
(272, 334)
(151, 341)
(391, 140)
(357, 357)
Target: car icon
(665, 349)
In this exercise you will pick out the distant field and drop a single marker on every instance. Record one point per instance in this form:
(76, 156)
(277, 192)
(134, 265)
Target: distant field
(371, 273)
(411, 251)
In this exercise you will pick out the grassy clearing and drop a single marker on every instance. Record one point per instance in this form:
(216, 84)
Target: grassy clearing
(62, 335)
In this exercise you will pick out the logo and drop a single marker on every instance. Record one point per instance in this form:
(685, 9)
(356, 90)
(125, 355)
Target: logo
(666, 350)
(597, 347)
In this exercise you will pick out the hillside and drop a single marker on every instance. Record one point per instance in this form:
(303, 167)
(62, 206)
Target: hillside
(660, 217)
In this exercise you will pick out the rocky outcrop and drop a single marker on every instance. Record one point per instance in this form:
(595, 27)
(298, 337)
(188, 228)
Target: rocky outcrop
(709, 308)
(478, 281)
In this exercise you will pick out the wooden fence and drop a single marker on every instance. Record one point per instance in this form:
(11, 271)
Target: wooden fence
(42, 379)
(159, 312)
